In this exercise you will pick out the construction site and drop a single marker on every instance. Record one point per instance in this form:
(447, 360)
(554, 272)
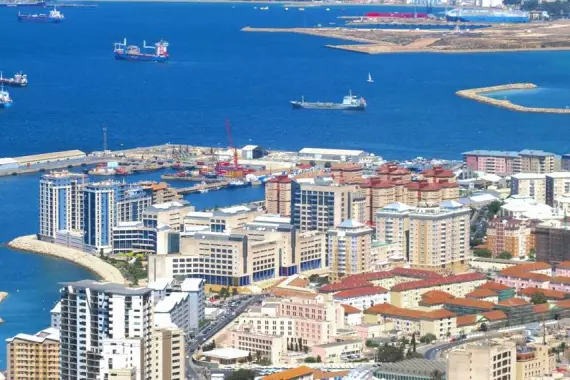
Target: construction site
(553, 35)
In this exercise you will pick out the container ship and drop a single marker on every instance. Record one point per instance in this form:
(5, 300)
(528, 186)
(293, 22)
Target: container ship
(349, 103)
(487, 15)
(16, 4)
(19, 80)
(54, 16)
(5, 100)
(156, 53)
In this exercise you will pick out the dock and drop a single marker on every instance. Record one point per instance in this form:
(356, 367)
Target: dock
(476, 95)
(172, 177)
(203, 187)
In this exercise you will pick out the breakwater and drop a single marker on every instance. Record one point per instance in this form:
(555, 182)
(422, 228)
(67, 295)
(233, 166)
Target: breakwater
(92, 263)
(476, 95)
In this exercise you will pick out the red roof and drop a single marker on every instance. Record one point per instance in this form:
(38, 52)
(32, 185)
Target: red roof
(391, 310)
(530, 267)
(368, 276)
(469, 302)
(541, 308)
(549, 293)
(560, 280)
(466, 320)
(494, 286)
(481, 293)
(339, 286)
(423, 185)
(349, 309)
(280, 179)
(361, 292)
(564, 264)
(415, 273)
(495, 315)
(437, 294)
(466, 277)
(438, 171)
(513, 302)
(563, 304)
(438, 314)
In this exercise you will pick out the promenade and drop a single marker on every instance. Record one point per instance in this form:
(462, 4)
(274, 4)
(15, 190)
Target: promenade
(92, 263)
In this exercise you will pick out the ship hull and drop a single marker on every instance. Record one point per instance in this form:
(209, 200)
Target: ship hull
(11, 83)
(327, 106)
(39, 20)
(140, 57)
(488, 19)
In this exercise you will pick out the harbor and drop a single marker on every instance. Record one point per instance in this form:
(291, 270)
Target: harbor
(476, 94)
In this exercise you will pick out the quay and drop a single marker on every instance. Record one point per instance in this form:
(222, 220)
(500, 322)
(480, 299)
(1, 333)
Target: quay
(476, 95)
(173, 177)
(203, 188)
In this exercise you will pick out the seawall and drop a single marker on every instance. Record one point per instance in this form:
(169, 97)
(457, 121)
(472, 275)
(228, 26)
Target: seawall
(92, 263)
(475, 94)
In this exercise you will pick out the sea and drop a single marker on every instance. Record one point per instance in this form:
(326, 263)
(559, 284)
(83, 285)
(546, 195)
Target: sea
(216, 72)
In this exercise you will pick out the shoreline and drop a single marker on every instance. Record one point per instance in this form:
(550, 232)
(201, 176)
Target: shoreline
(105, 271)
(307, 4)
(476, 94)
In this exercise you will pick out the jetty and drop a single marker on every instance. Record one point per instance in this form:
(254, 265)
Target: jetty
(203, 187)
(476, 94)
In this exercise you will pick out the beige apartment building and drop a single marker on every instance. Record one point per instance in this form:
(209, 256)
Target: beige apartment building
(269, 346)
(512, 235)
(167, 358)
(170, 214)
(529, 185)
(537, 161)
(221, 220)
(557, 185)
(279, 195)
(350, 245)
(393, 226)
(484, 360)
(534, 361)
(32, 357)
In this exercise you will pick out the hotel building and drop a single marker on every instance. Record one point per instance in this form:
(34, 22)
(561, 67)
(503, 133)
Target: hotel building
(32, 357)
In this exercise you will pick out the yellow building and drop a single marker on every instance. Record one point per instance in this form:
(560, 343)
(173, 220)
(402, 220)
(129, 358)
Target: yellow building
(529, 184)
(167, 357)
(32, 357)
(484, 360)
(393, 226)
(534, 361)
(538, 161)
(269, 346)
(350, 245)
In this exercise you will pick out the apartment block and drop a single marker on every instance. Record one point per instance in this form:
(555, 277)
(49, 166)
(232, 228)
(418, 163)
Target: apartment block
(337, 352)
(99, 215)
(557, 185)
(167, 359)
(535, 361)
(221, 220)
(511, 235)
(393, 226)
(492, 161)
(270, 346)
(538, 161)
(161, 192)
(170, 214)
(95, 314)
(485, 360)
(32, 357)
(531, 185)
(279, 195)
(552, 242)
(121, 357)
(60, 206)
(349, 249)
(131, 202)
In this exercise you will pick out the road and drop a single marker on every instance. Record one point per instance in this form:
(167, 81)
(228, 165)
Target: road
(208, 331)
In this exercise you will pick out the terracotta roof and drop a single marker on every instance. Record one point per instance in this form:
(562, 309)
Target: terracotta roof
(494, 286)
(368, 276)
(438, 314)
(541, 308)
(280, 179)
(280, 292)
(361, 292)
(159, 186)
(564, 264)
(481, 293)
(438, 171)
(469, 302)
(530, 267)
(466, 320)
(437, 294)
(323, 375)
(388, 309)
(377, 183)
(415, 273)
(560, 280)
(495, 315)
(563, 304)
(466, 277)
(290, 374)
(345, 285)
(513, 302)
(423, 185)
(349, 309)
(538, 277)
(548, 293)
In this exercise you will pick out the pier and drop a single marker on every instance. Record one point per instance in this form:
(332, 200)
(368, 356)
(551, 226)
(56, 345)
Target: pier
(476, 95)
(203, 188)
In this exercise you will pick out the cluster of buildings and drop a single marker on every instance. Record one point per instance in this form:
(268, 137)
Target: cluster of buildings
(109, 331)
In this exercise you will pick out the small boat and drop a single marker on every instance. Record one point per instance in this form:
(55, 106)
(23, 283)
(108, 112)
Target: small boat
(301, 9)
(54, 16)
(19, 80)
(5, 100)
(286, 8)
(370, 80)
(102, 170)
(236, 184)
(349, 103)
(328, 9)
(203, 191)
(264, 8)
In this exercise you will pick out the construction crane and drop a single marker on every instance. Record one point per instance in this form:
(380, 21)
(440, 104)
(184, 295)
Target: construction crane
(231, 141)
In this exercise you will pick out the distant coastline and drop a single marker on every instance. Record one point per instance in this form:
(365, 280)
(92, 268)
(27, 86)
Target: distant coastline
(278, 2)
(93, 264)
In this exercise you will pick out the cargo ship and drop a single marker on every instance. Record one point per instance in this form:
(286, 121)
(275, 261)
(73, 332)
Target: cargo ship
(156, 53)
(54, 16)
(19, 4)
(19, 80)
(5, 100)
(349, 103)
(487, 15)
(398, 15)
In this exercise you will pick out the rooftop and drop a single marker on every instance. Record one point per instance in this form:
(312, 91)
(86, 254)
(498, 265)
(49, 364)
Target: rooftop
(40, 337)
(107, 287)
(226, 353)
(338, 152)
(348, 309)
(495, 315)
(481, 293)
(466, 277)
(494, 153)
(513, 302)
(471, 303)
(192, 284)
(466, 320)
(417, 367)
(548, 293)
(159, 284)
(361, 292)
(290, 374)
(167, 304)
(494, 286)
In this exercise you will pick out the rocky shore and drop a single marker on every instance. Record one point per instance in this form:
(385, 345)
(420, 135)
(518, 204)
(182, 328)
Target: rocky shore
(92, 263)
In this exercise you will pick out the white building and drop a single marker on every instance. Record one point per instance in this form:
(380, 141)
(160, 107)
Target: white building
(119, 355)
(99, 215)
(363, 298)
(93, 312)
(56, 316)
(173, 310)
(529, 184)
(197, 300)
(60, 203)
(170, 214)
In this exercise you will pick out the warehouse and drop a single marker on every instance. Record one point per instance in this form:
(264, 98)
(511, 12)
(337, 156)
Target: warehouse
(251, 152)
(333, 154)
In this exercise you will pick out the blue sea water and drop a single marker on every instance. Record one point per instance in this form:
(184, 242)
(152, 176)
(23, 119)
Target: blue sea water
(553, 97)
(218, 72)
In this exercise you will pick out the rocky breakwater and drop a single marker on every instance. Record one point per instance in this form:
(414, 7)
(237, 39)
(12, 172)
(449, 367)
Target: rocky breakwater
(476, 94)
(92, 263)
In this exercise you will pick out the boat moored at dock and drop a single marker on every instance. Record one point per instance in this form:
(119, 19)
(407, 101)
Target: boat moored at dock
(53, 17)
(5, 100)
(156, 53)
(349, 103)
(487, 15)
(18, 80)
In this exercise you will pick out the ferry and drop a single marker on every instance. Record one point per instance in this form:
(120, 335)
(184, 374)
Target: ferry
(5, 100)
(156, 53)
(19, 80)
(349, 103)
(54, 16)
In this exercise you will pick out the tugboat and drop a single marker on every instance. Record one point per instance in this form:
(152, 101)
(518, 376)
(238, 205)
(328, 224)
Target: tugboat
(5, 100)
(349, 103)
(19, 80)
(156, 53)
(54, 16)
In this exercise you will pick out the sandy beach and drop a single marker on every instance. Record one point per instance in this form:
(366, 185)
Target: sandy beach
(95, 265)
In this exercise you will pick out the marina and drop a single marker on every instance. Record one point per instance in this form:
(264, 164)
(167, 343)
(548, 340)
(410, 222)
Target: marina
(477, 94)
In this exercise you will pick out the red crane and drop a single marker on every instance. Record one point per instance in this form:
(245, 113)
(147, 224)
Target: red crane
(231, 141)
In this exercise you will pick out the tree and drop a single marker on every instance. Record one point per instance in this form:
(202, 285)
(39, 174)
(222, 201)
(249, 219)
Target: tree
(483, 327)
(328, 164)
(494, 207)
(319, 359)
(241, 374)
(404, 341)
(310, 359)
(505, 255)
(257, 355)
(482, 253)
(532, 254)
(234, 292)
(371, 343)
(305, 349)
(413, 342)
(389, 354)
(249, 357)
(436, 375)
(538, 298)
(428, 338)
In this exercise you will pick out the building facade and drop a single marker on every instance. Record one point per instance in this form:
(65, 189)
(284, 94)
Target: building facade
(32, 357)
(557, 185)
(486, 360)
(167, 357)
(279, 195)
(511, 235)
(99, 215)
(531, 185)
(349, 249)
